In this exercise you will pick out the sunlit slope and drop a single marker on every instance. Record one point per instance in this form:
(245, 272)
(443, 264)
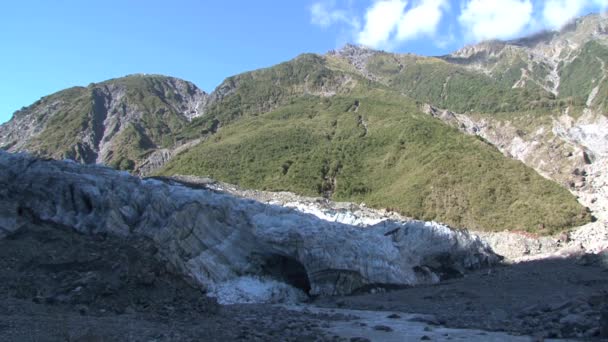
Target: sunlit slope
(373, 145)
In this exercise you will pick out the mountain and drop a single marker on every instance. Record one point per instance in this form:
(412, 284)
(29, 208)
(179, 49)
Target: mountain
(371, 144)
(116, 122)
(434, 138)
(569, 64)
(541, 99)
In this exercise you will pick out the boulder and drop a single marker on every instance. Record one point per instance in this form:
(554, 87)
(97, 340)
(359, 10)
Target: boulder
(215, 238)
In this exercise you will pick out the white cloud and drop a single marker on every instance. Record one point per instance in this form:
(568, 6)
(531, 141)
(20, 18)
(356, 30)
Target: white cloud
(388, 23)
(381, 21)
(503, 19)
(324, 14)
(558, 13)
(422, 19)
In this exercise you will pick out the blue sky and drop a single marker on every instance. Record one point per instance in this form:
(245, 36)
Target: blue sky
(51, 45)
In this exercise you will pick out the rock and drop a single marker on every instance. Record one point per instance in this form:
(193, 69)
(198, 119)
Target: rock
(88, 337)
(604, 322)
(428, 319)
(531, 310)
(587, 158)
(383, 328)
(146, 278)
(564, 237)
(574, 324)
(591, 259)
(10, 216)
(560, 305)
(593, 332)
(597, 301)
(213, 238)
(82, 309)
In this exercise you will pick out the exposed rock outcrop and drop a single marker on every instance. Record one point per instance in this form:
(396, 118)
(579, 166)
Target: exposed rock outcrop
(214, 238)
(358, 56)
(160, 157)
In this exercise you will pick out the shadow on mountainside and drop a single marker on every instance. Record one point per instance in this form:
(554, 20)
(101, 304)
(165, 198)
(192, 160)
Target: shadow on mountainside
(545, 298)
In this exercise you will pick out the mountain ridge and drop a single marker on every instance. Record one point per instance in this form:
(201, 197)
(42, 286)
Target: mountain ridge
(90, 117)
(339, 105)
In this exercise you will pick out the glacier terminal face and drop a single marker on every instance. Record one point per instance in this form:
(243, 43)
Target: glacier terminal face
(217, 239)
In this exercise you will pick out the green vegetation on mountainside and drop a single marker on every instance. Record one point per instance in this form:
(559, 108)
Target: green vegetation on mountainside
(129, 145)
(584, 73)
(373, 145)
(72, 116)
(451, 86)
(79, 109)
(151, 95)
(262, 90)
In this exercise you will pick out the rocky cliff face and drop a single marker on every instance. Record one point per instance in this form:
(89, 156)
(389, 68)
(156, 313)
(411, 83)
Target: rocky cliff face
(215, 238)
(112, 105)
(93, 124)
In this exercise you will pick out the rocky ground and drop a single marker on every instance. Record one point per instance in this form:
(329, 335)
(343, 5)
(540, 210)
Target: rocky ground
(57, 284)
(546, 298)
(60, 285)
(549, 287)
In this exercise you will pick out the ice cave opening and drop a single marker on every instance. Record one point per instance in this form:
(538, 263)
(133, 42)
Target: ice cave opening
(287, 270)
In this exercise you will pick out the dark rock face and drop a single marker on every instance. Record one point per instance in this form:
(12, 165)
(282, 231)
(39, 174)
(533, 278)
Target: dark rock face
(213, 238)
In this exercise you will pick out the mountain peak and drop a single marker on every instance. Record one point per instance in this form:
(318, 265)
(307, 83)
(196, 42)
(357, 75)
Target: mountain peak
(113, 122)
(351, 49)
